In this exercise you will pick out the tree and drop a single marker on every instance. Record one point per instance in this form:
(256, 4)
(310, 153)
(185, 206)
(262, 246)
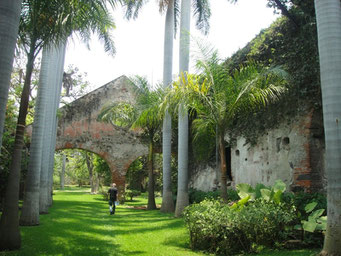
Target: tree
(9, 24)
(219, 99)
(97, 20)
(202, 11)
(43, 23)
(328, 16)
(167, 195)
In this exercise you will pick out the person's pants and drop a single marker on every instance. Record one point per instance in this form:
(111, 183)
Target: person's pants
(112, 206)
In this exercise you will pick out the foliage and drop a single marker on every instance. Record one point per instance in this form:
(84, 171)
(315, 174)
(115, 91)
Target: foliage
(137, 174)
(12, 109)
(129, 194)
(75, 85)
(76, 170)
(315, 222)
(217, 228)
(285, 45)
(197, 196)
(269, 194)
(118, 114)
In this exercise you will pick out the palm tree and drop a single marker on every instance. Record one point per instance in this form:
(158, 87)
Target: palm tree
(202, 11)
(71, 17)
(328, 16)
(9, 24)
(218, 98)
(167, 195)
(148, 102)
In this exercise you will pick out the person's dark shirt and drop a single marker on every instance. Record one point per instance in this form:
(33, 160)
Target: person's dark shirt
(113, 194)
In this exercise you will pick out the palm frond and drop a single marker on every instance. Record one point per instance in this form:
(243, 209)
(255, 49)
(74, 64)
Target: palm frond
(202, 12)
(118, 114)
(133, 7)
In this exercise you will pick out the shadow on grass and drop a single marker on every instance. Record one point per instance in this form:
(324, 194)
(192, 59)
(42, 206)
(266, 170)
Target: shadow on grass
(72, 228)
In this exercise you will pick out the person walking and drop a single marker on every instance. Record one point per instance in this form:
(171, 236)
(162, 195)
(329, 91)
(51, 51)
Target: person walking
(112, 198)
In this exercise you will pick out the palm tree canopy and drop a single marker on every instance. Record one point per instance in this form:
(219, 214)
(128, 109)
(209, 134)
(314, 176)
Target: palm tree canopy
(218, 98)
(201, 11)
(49, 22)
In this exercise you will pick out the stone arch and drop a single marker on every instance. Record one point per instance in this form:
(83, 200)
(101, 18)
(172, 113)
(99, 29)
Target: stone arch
(79, 127)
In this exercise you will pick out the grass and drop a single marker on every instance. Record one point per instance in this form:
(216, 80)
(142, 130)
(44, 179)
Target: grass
(80, 224)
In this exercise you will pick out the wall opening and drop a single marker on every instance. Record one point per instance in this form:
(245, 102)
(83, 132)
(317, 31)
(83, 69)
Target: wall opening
(81, 168)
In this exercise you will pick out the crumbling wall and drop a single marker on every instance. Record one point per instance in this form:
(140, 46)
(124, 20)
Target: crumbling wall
(294, 153)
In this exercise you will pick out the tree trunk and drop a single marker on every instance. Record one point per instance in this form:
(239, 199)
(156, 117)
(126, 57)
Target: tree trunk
(62, 174)
(182, 197)
(19, 141)
(53, 128)
(223, 169)
(96, 183)
(328, 16)
(9, 24)
(167, 195)
(52, 56)
(36, 149)
(151, 197)
(90, 169)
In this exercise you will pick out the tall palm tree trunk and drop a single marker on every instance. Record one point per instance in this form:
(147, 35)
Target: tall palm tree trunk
(223, 169)
(167, 195)
(182, 196)
(52, 57)
(151, 196)
(58, 79)
(9, 225)
(36, 147)
(9, 24)
(328, 15)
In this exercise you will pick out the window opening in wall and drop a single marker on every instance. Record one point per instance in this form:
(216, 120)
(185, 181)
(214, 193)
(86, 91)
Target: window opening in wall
(286, 141)
(228, 163)
(237, 152)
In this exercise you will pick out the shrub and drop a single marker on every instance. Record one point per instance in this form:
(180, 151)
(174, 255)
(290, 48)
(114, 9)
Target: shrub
(131, 193)
(197, 196)
(217, 228)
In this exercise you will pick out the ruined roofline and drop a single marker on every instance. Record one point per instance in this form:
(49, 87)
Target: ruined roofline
(113, 82)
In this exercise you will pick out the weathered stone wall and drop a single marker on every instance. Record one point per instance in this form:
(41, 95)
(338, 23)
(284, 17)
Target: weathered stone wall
(79, 128)
(293, 153)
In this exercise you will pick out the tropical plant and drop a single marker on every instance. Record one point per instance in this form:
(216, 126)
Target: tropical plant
(219, 98)
(328, 16)
(315, 219)
(268, 194)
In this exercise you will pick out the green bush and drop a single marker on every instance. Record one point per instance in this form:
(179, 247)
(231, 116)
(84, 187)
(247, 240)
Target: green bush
(217, 228)
(197, 196)
(131, 193)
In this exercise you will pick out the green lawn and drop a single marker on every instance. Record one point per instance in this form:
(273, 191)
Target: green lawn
(80, 224)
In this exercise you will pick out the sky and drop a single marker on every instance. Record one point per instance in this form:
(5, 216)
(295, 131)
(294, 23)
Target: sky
(139, 43)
